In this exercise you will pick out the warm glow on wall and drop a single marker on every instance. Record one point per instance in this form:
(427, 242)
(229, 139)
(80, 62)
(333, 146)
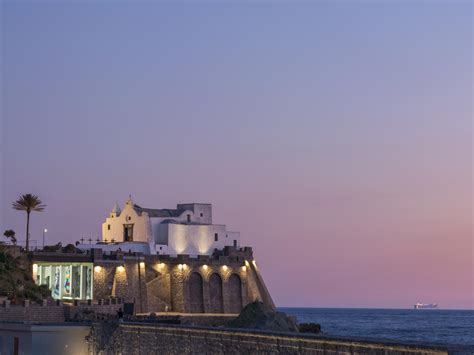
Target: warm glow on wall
(142, 264)
(205, 267)
(161, 265)
(120, 268)
(244, 268)
(35, 268)
(97, 268)
(247, 263)
(180, 266)
(225, 268)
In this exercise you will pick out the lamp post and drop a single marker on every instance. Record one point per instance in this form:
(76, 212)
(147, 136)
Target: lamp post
(44, 232)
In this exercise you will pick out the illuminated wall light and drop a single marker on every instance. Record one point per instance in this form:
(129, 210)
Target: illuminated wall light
(120, 268)
(247, 263)
(35, 268)
(185, 266)
(254, 263)
(161, 265)
(97, 268)
(142, 264)
(180, 266)
(244, 268)
(225, 268)
(205, 267)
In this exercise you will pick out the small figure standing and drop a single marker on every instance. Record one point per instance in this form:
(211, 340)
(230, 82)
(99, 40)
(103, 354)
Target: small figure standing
(120, 314)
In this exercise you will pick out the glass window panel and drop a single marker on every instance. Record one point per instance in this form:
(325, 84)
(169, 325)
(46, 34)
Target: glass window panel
(88, 273)
(76, 282)
(66, 281)
(57, 283)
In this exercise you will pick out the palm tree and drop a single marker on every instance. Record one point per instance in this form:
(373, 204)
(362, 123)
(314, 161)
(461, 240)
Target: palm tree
(28, 203)
(10, 234)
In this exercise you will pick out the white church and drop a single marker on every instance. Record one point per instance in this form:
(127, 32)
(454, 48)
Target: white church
(188, 229)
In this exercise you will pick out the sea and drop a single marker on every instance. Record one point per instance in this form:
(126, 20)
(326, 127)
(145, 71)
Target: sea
(421, 326)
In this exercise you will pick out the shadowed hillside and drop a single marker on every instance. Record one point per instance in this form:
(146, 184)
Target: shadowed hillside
(15, 278)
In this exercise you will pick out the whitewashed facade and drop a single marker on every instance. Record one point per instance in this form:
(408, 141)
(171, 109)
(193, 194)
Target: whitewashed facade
(188, 229)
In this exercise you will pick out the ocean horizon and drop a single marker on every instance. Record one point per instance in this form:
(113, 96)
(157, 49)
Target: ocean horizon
(381, 308)
(426, 326)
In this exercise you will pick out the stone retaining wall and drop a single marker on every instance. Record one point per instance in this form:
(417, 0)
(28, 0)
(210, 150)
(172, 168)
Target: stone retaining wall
(136, 338)
(53, 313)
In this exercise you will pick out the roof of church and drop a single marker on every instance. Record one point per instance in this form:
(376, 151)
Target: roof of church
(153, 212)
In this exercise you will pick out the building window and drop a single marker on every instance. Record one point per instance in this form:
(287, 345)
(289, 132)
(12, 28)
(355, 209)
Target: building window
(216, 237)
(108, 227)
(128, 232)
(189, 218)
(67, 281)
(201, 214)
(235, 243)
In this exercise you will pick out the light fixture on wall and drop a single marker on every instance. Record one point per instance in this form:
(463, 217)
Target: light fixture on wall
(97, 268)
(180, 266)
(244, 268)
(142, 264)
(161, 265)
(120, 268)
(205, 267)
(225, 268)
(247, 263)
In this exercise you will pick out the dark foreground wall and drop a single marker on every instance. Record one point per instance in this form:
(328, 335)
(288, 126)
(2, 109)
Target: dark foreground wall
(136, 338)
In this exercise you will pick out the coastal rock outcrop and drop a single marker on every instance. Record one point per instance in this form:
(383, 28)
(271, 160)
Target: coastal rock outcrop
(257, 315)
(314, 328)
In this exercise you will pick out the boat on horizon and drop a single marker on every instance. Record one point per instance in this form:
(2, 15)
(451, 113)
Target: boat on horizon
(421, 305)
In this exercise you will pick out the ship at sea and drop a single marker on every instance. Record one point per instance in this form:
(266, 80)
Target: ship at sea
(420, 305)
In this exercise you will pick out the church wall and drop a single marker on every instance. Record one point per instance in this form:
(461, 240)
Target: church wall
(196, 239)
(141, 227)
(192, 234)
(202, 212)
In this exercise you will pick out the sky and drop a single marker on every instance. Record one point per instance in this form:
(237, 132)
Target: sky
(335, 136)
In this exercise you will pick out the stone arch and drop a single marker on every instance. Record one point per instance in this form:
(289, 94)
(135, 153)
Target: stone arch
(195, 297)
(235, 293)
(216, 298)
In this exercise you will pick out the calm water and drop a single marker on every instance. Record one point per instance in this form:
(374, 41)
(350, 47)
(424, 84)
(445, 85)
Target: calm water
(423, 326)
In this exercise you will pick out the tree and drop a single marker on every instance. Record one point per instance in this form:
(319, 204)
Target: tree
(10, 234)
(28, 203)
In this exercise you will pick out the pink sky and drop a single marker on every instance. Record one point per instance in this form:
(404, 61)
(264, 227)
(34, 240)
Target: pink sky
(336, 138)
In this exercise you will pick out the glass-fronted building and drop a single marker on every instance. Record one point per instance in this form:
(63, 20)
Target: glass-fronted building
(69, 281)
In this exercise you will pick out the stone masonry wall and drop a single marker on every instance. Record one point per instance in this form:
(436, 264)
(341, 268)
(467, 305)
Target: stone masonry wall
(222, 284)
(53, 313)
(145, 338)
(33, 313)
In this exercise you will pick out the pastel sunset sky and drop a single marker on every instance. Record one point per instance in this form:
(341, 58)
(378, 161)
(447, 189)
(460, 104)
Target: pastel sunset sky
(336, 137)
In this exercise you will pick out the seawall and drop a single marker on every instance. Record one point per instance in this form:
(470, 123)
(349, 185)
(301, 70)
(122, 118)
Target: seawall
(143, 338)
(56, 312)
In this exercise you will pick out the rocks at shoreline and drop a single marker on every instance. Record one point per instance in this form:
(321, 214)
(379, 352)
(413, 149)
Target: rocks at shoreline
(257, 315)
(313, 328)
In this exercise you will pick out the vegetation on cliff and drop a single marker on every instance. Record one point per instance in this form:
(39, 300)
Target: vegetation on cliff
(15, 278)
